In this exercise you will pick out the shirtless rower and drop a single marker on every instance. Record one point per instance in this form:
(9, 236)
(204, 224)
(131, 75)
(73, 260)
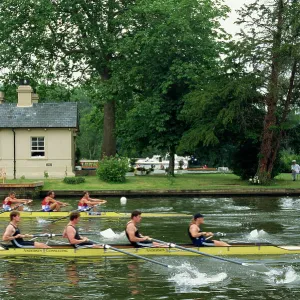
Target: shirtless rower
(13, 234)
(11, 202)
(72, 234)
(198, 237)
(135, 237)
(86, 202)
(50, 204)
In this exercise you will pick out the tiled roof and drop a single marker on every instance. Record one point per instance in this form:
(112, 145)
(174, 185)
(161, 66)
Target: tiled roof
(39, 115)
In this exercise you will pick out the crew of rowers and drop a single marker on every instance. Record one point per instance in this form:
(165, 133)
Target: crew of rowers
(49, 203)
(12, 233)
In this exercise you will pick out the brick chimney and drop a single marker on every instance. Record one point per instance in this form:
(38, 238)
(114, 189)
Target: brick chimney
(2, 100)
(24, 94)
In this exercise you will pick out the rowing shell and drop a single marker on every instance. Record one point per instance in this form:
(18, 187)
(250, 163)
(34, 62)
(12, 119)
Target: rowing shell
(69, 251)
(89, 214)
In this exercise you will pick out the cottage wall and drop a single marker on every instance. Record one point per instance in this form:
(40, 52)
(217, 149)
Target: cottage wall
(59, 154)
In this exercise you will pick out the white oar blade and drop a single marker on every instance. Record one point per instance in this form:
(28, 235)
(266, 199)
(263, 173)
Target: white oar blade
(108, 233)
(257, 267)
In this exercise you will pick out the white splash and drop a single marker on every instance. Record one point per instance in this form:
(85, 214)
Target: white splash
(42, 221)
(188, 276)
(156, 209)
(283, 276)
(26, 208)
(256, 234)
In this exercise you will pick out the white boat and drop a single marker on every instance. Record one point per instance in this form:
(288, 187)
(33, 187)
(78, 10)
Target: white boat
(158, 162)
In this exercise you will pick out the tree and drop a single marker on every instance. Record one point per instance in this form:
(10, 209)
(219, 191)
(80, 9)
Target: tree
(271, 50)
(256, 83)
(165, 59)
(69, 40)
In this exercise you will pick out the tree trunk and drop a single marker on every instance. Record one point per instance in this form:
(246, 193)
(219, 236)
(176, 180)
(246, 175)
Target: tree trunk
(172, 161)
(109, 124)
(271, 134)
(109, 138)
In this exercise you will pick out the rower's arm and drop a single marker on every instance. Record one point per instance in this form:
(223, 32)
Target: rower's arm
(8, 234)
(195, 232)
(70, 233)
(132, 237)
(21, 200)
(99, 201)
(60, 203)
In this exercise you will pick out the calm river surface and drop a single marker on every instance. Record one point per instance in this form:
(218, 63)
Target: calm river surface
(243, 219)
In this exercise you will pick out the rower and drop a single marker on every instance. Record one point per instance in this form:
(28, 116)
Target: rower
(13, 234)
(50, 204)
(135, 237)
(8, 202)
(72, 234)
(200, 238)
(86, 202)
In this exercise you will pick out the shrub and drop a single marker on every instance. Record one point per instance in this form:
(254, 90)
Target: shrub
(113, 169)
(286, 159)
(245, 161)
(74, 180)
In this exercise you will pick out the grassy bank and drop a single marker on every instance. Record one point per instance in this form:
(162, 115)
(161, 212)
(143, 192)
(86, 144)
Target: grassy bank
(162, 182)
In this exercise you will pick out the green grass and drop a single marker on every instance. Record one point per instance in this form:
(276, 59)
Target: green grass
(162, 182)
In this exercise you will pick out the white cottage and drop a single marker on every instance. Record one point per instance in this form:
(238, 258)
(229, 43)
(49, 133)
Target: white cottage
(37, 139)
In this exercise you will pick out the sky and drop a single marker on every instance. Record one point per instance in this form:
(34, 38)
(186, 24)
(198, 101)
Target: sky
(229, 25)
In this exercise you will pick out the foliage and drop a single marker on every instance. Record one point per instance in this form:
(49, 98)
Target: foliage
(164, 61)
(269, 48)
(46, 174)
(287, 156)
(89, 139)
(74, 180)
(113, 169)
(244, 163)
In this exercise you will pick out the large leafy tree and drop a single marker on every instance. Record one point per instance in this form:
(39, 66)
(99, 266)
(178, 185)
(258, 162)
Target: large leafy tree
(69, 40)
(257, 84)
(178, 49)
(270, 48)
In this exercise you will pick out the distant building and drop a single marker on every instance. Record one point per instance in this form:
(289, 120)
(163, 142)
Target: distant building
(37, 139)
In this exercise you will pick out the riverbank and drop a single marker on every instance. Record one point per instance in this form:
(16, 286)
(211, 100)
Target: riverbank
(161, 185)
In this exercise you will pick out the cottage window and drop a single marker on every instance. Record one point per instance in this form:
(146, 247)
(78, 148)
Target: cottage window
(37, 147)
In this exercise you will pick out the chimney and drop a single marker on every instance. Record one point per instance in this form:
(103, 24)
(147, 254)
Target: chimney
(24, 94)
(2, 100)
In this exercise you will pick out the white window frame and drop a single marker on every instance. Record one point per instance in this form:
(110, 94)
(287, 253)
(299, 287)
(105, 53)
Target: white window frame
(39, 148)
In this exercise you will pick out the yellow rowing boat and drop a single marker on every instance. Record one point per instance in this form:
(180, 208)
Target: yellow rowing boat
(90, 214)
(70, 252)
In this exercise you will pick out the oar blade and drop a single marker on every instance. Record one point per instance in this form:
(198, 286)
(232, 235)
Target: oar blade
(256, 267)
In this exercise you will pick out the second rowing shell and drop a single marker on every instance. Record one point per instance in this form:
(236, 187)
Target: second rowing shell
(90, 214)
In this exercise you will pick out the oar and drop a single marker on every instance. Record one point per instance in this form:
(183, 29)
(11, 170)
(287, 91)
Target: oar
(51, 235)
(254, 266)
(136, 256)
(3, 211)
(77, 210)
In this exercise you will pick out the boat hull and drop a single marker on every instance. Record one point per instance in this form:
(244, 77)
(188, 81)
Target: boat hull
(89, 214)
(70, 252)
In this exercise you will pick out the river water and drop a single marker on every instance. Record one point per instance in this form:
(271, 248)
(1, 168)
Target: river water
(242, 219)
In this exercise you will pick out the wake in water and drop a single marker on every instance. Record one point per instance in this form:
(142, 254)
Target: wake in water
(42, 221)
(187, 276)
(157, 209)
(283, 276)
